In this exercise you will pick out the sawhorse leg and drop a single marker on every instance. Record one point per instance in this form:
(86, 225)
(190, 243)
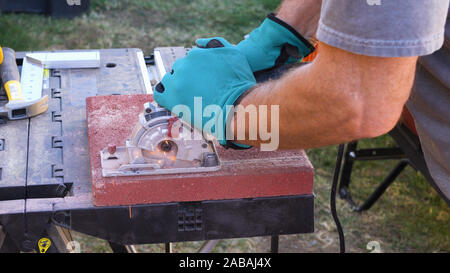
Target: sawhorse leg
(117, 248)
(168, 247)
(60, 238)
(6, 243)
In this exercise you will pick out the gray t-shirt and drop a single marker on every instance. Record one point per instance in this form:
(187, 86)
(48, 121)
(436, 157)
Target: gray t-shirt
(399, 28)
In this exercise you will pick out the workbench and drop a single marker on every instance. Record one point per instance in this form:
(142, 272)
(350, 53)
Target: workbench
(45, 182)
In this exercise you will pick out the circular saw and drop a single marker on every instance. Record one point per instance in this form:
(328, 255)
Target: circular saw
(160, 143)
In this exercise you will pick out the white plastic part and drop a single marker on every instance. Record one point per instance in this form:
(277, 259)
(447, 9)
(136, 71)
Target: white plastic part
(72, 59)
(31, 79)
(159, 65)
(144, 72)
(33, 66)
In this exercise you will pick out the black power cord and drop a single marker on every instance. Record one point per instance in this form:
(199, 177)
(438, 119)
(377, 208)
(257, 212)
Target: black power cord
(337, 171)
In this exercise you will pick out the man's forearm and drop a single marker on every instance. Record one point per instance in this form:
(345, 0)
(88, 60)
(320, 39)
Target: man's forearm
(303, 15)
(338, 98)
(309, 114)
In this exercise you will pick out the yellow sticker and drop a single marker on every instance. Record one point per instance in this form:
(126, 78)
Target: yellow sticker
(1, 55)
(13, 90)
(44, 244)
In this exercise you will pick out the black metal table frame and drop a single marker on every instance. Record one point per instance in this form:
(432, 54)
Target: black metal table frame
(122, 226)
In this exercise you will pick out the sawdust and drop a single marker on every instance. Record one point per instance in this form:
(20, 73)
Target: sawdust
(107, 124)
(107, 117)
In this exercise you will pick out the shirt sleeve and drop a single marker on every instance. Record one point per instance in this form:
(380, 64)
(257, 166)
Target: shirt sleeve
(384, 28)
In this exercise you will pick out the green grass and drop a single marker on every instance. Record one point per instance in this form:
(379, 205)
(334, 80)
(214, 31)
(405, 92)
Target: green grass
(144, 24)
(410, 217)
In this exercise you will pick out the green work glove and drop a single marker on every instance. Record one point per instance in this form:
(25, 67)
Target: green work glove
(217, 74)
(272, 44)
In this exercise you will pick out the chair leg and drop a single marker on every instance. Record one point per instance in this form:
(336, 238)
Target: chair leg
(274, 240)
(351, 155)
(344, 181)
(411, 145)
(376, 194)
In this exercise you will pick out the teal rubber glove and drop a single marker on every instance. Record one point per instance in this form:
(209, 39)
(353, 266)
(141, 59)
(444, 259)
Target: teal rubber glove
(272, 44)
(219, 74)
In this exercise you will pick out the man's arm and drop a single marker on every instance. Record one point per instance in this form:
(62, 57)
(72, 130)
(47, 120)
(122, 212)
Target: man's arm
(303, 15)
(356, 87)
(340, 97)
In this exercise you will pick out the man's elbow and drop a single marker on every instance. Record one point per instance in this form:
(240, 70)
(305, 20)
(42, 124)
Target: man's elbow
(374, 89)
(377, 112)
(373, 123)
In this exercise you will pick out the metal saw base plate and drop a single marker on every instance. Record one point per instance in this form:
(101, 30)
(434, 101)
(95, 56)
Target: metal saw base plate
(112, 167)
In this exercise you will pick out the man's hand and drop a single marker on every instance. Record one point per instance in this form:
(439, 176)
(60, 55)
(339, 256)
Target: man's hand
(206, 83)
(272, 44)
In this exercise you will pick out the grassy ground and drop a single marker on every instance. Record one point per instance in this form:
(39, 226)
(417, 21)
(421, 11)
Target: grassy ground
(410, 217)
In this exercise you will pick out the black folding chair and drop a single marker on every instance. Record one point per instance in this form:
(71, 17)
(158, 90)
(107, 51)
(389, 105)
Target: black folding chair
(407, 152)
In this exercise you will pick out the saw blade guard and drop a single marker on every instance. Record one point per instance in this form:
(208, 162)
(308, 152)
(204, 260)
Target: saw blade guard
(160, 143)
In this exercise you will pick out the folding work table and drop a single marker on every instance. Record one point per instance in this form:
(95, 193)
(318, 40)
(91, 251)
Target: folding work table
(45, 181)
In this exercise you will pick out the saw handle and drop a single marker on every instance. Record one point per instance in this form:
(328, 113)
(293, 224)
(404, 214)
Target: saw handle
(9, 73)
